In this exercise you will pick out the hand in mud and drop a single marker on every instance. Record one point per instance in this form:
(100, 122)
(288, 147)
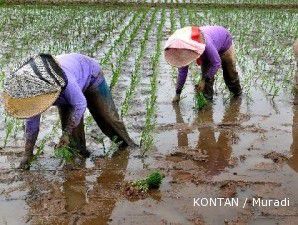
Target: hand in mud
(176, 98)
(64, 141)
(200, 87)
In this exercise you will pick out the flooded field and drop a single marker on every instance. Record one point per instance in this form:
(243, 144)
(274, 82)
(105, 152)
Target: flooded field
(234, 148)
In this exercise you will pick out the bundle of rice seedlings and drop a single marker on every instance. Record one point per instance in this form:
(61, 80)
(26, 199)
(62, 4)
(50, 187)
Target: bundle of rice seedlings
(152, 181)
(200, 101)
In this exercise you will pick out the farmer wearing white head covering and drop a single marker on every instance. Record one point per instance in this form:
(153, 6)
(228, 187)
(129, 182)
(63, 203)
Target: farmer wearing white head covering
(72, 82)
(210, 47)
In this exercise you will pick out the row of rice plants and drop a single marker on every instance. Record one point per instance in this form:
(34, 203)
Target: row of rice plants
(84, 28)
(117, 42)
(122, 55)
(136, 74)
(125, 32)
(66, 30)
(57, 36)
(263, 61)
(147, 133)
(109, 29)
(12, 126)
(253, 2)
(77, 36)
(21, 39)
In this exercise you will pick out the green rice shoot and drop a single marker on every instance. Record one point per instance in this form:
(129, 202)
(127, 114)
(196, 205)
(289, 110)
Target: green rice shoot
(67, 154)
(200, 101)
(152, 181)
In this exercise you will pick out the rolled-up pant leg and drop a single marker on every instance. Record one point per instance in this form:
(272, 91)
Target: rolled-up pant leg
(102, 108)
(230, 74)
(77, 138)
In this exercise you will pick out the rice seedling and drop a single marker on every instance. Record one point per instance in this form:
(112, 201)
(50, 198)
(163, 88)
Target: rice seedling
(9, 126)
(200, 101)
(65, 153)
(124, 54)
(147, 133)
(119, 39)
(135, 77)
(113, 148)
(2, 77)
(267, 64)
(152, 181)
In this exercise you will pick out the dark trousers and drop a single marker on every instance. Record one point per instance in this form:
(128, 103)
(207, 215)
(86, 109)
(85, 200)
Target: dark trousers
(102, 108)
(230, 74)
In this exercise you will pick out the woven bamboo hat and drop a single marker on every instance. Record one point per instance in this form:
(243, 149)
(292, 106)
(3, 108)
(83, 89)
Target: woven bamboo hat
(184, 46)
(33, 87)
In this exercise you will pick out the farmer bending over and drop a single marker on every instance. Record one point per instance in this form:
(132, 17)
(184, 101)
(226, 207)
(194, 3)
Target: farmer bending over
(72, 82)
(211, 47)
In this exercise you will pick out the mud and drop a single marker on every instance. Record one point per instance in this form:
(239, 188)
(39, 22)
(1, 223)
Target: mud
(234, 148)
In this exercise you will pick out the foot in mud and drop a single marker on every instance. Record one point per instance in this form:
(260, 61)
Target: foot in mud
(208, 97)
(237, 94)
(131, 144)
(176, 98)
(85, 153)
(25, 162)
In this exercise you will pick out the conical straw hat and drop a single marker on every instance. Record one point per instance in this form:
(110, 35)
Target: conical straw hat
(23, 108)
(184, 47)
(33, 87)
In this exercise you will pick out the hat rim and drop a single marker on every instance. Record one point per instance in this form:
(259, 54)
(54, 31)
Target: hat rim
(21, 111)
(179, 63)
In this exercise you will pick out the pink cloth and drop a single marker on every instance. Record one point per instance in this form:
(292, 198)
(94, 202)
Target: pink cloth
(182, 39)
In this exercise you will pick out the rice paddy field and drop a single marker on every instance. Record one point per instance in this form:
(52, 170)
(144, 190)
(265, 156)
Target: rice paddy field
(242, 148)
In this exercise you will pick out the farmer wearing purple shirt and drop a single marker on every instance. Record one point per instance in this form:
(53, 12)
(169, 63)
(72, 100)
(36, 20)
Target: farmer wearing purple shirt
(211, 47)
(72, 82)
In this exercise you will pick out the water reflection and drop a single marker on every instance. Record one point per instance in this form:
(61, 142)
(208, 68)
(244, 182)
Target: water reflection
(75, 190)
(181, 135)
(293, 161)
(218, 150)
(78, 199)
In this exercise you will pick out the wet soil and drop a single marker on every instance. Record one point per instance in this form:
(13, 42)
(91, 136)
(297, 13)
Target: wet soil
(235, 148)
(227, 153)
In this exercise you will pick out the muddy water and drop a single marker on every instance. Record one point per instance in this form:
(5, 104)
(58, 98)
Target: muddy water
(220, 151)
(217, 152)
(233, 148)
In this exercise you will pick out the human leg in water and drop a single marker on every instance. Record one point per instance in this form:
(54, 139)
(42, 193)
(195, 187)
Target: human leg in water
(77, 137)
(230, 74)
(102, 108)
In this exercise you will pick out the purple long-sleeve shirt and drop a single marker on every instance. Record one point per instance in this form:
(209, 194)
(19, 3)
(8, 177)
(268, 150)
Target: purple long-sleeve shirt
(81, 72)
(218, 40)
